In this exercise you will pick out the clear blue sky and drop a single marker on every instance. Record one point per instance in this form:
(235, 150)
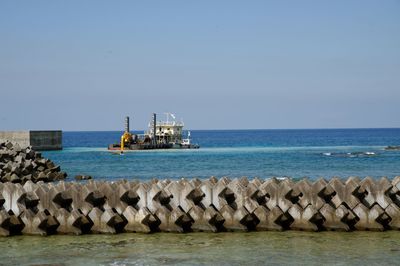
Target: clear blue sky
(84, 65)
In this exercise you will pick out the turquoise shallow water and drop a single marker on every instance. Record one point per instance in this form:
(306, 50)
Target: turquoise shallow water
(255, 248)
(236, 153)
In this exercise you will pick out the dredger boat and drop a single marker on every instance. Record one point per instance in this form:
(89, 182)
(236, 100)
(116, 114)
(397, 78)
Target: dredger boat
(160, 135)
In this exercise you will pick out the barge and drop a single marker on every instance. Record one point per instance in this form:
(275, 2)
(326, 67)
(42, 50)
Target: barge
(166, 134)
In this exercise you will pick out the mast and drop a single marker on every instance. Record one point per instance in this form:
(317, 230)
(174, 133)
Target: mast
(154, 128)
(127, 124)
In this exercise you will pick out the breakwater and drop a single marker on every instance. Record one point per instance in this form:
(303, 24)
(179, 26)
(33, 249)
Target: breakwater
(211, 205)
(19, 164)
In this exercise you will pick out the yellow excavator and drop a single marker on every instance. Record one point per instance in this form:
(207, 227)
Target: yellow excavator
(126, 138)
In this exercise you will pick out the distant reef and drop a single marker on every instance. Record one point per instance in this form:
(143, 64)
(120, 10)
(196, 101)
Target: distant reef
(392, 148)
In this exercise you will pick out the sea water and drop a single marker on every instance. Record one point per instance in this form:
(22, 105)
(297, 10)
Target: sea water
(237, 153)
(262, 153)
(254, 248)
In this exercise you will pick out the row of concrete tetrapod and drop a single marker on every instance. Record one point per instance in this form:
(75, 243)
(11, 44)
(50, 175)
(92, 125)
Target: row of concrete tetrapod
(211, 205)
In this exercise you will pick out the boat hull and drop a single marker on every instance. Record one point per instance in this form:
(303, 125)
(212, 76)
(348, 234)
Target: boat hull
(137, 147)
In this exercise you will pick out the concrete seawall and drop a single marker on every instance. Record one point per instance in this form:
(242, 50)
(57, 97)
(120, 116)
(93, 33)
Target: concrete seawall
(199, 205)
(38, 139)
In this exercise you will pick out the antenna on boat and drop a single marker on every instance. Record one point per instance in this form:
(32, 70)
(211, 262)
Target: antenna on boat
(154, 127)
(127, 124)
(167, 116)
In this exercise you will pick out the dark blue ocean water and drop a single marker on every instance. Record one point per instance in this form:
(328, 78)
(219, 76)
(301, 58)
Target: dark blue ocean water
(236, 153)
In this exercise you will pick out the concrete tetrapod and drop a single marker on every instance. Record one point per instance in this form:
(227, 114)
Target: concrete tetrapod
(199, 205)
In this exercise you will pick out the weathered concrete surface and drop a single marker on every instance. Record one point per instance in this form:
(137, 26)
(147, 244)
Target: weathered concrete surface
(20, 137)
(212, 205)
(38, 139)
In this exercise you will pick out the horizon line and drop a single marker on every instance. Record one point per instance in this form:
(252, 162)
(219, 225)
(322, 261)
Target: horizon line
(246, 129)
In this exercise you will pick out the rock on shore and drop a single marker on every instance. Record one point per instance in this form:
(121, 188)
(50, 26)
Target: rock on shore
(83, 177)
(21, 164)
